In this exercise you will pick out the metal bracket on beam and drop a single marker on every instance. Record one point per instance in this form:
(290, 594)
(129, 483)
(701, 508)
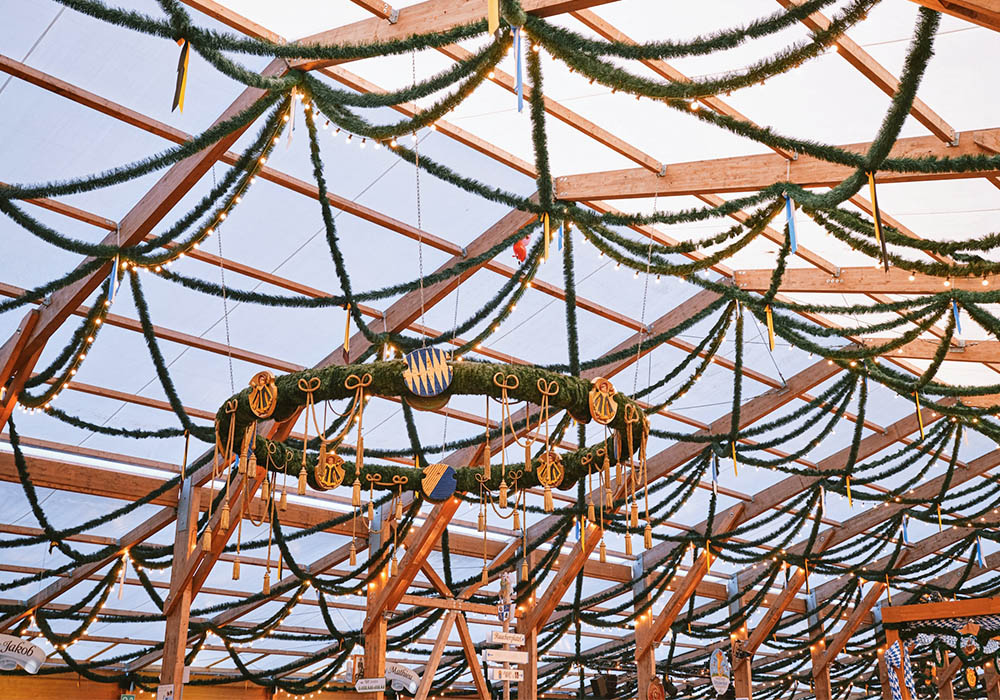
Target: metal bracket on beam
(877, 616)
(733, 593)
(663, 170)
(955, 135)
(393, 16)
(811, 608)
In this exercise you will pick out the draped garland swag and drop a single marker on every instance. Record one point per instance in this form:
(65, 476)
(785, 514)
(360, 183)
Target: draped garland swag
(765, 545)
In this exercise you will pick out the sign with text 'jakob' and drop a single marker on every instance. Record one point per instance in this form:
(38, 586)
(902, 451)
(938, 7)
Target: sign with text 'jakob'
(15, 652)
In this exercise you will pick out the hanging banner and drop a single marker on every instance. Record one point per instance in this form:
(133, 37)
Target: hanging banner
(718, 668)
(15, 651)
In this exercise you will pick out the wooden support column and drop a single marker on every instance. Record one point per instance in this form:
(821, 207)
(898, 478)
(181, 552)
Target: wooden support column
(992, 681)
(470, 655)
(739, 654)
(817, 647)
(375, 634)
(946, 691)
(891, 637)
(435, 658)
(175, 637)
(645, 666)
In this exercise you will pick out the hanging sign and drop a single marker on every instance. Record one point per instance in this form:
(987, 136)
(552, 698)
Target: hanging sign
(370, 685)
(655, 691)
(505, 656)
(15, 651)
(127, 696)
(165, 691)
(427, 371)
(718, 668)
(506, 674)
(498, 637)
(438, 482)
(401, 677)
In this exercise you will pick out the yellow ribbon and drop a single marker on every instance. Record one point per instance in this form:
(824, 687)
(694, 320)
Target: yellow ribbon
(545, 234)
(736, 471)
(920, 417)
(493, 14)
(182, 74)
(347, 331)
(770, 327)
(850, 501)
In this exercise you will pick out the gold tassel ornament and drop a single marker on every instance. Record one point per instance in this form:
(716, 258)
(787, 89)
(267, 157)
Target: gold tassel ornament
(503, 494)
(485, 580)
(590, 511)
(265, 491)
(301, 490)
(236, 569)
(524, 570)
(354, 554)
(628, 545)
(527, 455)
(517, 520)
(634, 516)
(481, 524)
(647, 536)
(283, 503)
(548, 500)
(206, 540)
(603, 553)
(224, 517)
(267, 583)
(487, 457)
(356, 493)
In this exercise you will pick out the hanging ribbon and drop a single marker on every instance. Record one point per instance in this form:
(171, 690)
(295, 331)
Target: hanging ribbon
(493, 13)
(906, 534)
(182, 74)
(732, 446)
(715, 474)
(980, 561)
(850, 501)
(790, 221)
(546, 235)
(347, 330)
(920, 417)
(940, 523)
(822, 500)
(518, 80)
(879, 237)
(560, 236)
(770, 327)
(896, 656)
(958, 319)
(113, 281)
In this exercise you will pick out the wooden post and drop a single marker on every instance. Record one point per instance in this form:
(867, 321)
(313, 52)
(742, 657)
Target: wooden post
(946, 691)
(817, 650)
(991, 680)
(528, 688)
(645, 664)
(435, 658)
(175, 636)
(737, 643)
(891, 637)
(475, 668)
(375, 633)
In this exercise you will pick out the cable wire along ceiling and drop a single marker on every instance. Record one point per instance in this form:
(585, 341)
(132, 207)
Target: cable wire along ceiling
(581, 484)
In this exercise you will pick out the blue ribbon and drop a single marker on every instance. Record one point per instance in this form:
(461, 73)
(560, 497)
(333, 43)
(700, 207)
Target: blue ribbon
(560, 236)
(519, 84)
(906, 534)
(113, 281)
(715, 474)
(958, 319)
(790, 219)
(980, 562)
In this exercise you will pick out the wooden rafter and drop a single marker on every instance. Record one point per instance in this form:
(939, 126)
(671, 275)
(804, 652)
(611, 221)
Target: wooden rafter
(860, 280)
(752, 173)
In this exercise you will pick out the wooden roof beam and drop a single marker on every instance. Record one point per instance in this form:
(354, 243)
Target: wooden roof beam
(985, 13)
(751, 173)
(878, 74)
(860, 280)
(425, 17)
